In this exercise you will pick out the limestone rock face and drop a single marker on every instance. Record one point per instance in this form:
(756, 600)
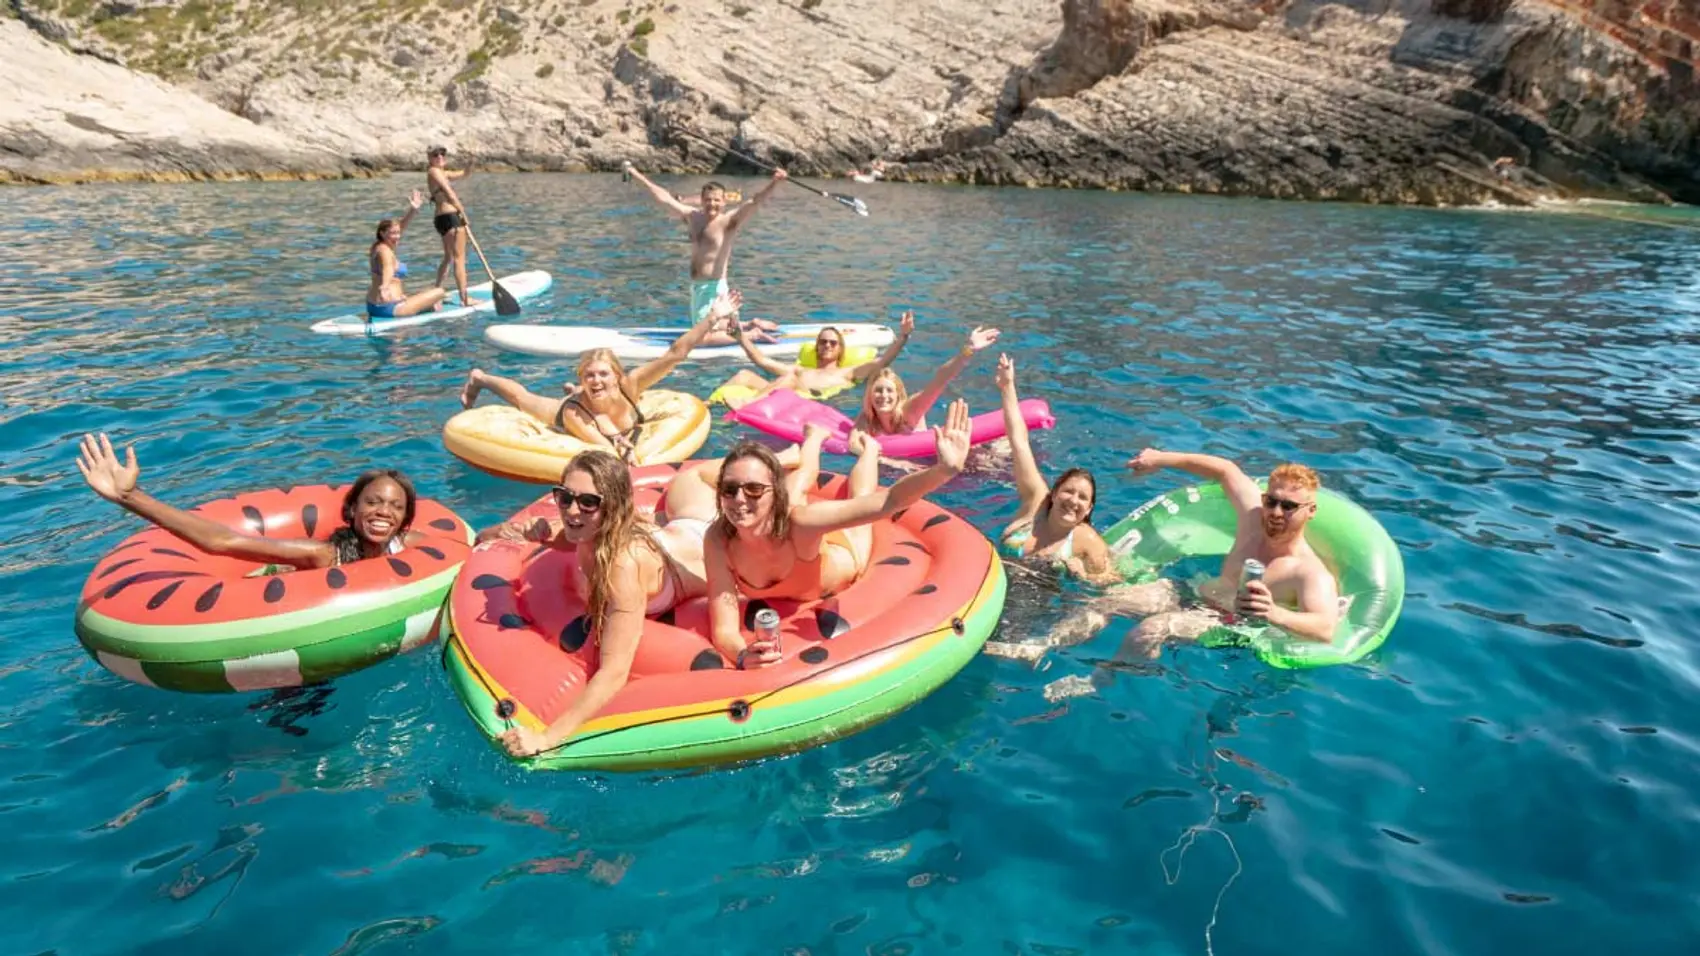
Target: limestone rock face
(1373, 100)
(69, 118)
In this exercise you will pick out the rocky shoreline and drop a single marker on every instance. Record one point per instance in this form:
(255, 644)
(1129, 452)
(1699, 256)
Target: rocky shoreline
(1385, 101)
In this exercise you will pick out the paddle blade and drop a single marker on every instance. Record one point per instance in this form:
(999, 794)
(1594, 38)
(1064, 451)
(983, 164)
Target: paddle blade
(856, 205)
(506, 304)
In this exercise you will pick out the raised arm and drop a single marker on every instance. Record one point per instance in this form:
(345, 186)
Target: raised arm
(916, 408)
(654, 370)
(766, 363)
(1029, 483)
(820, 517)
(906, 328)
(660, 195)
(748, 209)
(116, 482)
(617, 641)
(1242, 491)
(414, 201)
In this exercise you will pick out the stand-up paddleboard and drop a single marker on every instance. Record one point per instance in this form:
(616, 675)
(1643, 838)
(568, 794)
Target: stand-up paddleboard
(642, 344)
(523, 285)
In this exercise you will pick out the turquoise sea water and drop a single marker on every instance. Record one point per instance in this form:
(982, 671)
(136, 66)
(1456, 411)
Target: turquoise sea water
(1514, 395)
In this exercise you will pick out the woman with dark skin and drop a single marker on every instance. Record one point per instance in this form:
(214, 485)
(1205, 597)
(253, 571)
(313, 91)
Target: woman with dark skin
(376, 512)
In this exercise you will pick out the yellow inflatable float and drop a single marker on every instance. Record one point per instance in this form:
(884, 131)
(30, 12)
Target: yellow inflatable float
(506, 442)
(853, 356)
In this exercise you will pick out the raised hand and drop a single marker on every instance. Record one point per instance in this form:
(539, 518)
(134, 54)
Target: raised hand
(952, 437)
(1145, 463)
(416, 200)
(980, 338)
(907, 326)
(725, 305)
(1006, 373)
(110, 478)
(816, 433)
(779, 174)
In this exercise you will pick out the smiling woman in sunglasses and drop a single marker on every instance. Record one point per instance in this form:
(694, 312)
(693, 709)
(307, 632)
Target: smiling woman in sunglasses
(771, 541)
(628, 568)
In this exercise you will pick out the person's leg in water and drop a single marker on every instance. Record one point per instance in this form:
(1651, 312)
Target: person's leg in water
(510, 391)
(1131, 600)
(692, 493)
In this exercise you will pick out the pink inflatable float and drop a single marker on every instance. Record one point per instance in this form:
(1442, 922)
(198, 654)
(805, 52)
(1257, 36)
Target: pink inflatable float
(783, 414)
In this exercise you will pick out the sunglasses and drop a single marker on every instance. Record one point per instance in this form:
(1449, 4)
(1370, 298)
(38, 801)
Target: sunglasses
(823, 343)
(1286, 506)
(753, 490)
(587, 502)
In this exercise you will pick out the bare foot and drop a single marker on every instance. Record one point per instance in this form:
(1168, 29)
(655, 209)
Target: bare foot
(814, 433)
(469, 392)
(1030, 653)
(1071, 686)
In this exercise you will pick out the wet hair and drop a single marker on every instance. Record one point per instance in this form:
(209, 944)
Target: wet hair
(621, 381)
(712, 185)
(345, 539)
(781, 520)
(618, 525)
(1045, 506)
(1301, 475)
(874, 426)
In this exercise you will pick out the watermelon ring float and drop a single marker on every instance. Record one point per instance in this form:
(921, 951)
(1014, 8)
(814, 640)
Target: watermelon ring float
(520, 653)
(159, 611)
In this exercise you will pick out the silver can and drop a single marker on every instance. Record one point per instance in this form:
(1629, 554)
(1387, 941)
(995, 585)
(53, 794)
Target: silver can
(1253, 571)
(767, 626)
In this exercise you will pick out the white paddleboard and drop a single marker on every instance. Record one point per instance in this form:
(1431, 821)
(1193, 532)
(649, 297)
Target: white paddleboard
(523, 285)
(642, 344)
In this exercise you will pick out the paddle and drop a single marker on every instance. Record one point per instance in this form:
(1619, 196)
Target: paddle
(506, 304)
(855, 205)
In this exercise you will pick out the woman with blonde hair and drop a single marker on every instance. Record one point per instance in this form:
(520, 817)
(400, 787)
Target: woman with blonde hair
(628, 568)
(603, 409)
(889, 409)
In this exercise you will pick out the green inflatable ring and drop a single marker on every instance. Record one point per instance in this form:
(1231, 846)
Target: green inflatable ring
(1198, 521)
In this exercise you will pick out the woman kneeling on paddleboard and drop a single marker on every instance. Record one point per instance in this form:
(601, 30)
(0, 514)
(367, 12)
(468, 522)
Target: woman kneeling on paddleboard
(628, 569)
(376, 512)
(385, 297)
(603, 409)
(769, 541)
(889, 409)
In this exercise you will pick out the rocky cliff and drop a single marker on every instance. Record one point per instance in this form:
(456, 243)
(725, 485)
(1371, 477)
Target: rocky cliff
(1375, 100)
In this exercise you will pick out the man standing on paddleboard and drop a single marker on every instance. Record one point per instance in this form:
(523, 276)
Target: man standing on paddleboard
(713, 229)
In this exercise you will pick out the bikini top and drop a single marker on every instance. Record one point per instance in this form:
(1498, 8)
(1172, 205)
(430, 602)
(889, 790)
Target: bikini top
(378, 269)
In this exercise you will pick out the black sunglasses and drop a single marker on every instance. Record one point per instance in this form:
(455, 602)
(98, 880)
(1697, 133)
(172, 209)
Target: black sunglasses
(1286, 506)
(587, 502)
(753, 490)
